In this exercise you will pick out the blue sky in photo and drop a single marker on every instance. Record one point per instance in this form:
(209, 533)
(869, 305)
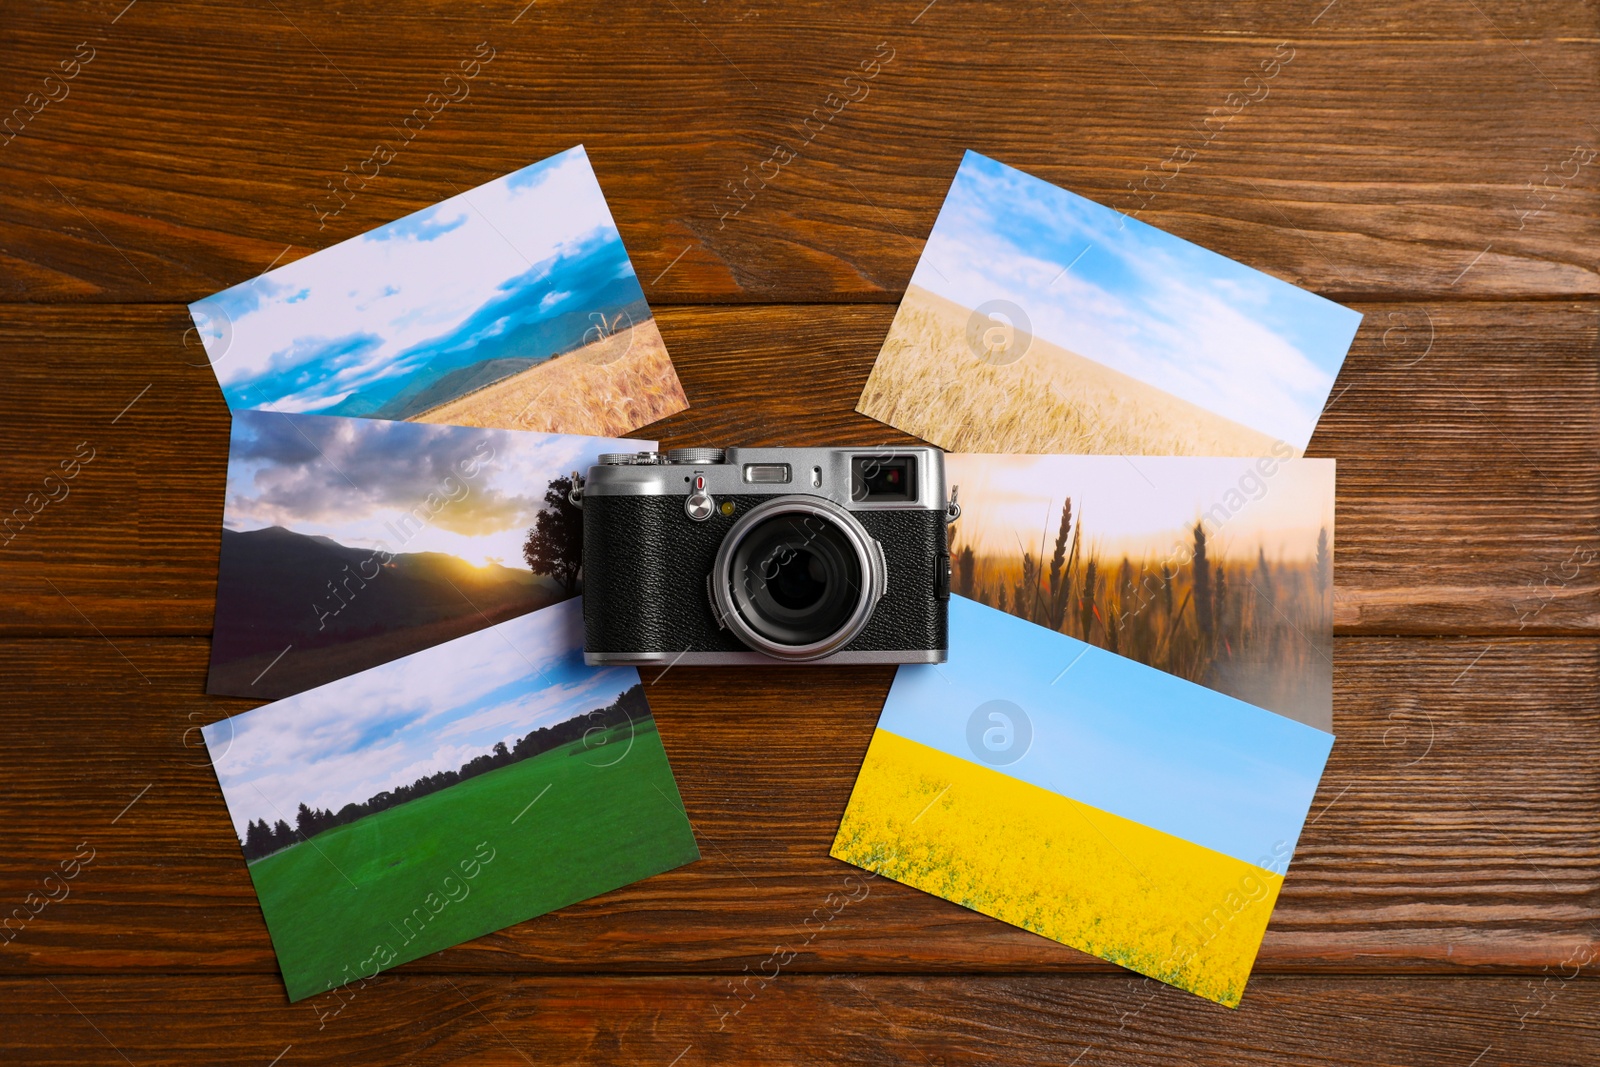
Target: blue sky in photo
(433, 710)
(515, 268)
(1240, 343)
(1118, 735)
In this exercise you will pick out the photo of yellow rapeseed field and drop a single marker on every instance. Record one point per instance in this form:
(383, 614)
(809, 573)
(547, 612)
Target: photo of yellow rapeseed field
(1086, 798)
(1040, 321)
(1144, 900)
(1218, 570)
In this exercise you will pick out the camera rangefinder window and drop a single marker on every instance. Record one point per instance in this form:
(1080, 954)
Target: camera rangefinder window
(796, 579)
(883, 478)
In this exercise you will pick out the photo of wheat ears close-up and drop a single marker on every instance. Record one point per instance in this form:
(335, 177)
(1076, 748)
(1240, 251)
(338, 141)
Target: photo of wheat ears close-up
(1217, 570)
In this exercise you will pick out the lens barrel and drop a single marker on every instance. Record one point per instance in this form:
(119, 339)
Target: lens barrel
(797, 577)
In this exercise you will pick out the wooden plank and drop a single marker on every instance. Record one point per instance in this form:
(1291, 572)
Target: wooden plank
(1414, 149)
(1468, 497)
(1089, 1020)
(1453, 831)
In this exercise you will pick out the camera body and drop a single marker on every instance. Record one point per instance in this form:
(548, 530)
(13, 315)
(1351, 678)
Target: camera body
(766, 555)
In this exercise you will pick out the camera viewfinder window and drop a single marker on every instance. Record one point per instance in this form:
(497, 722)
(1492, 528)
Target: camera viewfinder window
(884, 479)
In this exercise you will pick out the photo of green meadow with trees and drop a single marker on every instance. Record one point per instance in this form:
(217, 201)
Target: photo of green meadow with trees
(1170, 562)
(444, 796)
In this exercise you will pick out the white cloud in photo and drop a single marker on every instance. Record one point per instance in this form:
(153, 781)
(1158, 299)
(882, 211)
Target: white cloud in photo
(356, 481)
(352, 308)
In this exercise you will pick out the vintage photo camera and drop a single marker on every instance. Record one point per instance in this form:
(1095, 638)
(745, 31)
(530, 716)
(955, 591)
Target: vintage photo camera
(763, 555)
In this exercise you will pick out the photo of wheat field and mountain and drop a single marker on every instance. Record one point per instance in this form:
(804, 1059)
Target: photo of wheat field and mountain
(511, 305)
(347, 543)
(1217, 570)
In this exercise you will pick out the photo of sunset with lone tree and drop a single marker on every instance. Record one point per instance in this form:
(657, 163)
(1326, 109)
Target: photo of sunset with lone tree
(348, 542)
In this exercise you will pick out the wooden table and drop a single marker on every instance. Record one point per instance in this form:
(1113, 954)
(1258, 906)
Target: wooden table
(1431, 165)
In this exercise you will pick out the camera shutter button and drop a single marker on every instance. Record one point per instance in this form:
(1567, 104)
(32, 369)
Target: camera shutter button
(699, 506)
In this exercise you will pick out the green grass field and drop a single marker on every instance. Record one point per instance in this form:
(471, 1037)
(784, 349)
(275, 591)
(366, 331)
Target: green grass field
(340, 905)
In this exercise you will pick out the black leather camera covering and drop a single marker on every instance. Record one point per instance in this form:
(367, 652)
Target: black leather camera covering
(645, 566)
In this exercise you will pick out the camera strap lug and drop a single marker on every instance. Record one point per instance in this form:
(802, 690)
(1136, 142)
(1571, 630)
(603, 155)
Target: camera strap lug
(575, 494)
(952, 510)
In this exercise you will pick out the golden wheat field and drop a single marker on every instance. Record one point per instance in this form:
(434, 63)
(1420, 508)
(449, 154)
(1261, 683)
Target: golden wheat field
(606, 388)
(1140, 898)
(1255, 628)
(927, 381)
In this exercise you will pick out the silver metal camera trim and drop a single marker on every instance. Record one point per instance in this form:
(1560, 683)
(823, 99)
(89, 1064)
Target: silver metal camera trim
(755, 659)
(869, 555)
(657, 476)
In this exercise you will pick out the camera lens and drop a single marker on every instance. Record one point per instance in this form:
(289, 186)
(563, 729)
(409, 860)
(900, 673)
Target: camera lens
(797, 581)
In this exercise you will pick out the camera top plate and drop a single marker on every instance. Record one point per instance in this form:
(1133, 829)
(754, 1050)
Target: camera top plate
(824, 472)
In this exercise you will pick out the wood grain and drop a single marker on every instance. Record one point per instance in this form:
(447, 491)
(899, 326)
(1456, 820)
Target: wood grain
(935, 1022)
(1468, 497)
(1412, 159)
(1393, 154)
(1449, 835)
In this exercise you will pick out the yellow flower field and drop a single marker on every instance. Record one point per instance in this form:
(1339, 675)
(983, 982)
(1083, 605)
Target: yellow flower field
(1140, 898)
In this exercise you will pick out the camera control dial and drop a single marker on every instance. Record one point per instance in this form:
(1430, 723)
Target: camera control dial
(698, 505)
(696, 456)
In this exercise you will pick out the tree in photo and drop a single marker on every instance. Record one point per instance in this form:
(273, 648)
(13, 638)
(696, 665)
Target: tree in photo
(555, 542)
(258, 840)
(586, 730)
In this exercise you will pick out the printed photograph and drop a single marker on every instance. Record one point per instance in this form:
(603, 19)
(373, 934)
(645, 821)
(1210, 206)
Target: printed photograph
(512, 305)
(1216, 569)
(444, 796)
(1040, 321)
(347, 542)
(1086, 798)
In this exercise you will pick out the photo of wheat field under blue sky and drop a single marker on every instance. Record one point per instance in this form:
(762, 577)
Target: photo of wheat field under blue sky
(1040, 321)
(513, 304)
(446, 795)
